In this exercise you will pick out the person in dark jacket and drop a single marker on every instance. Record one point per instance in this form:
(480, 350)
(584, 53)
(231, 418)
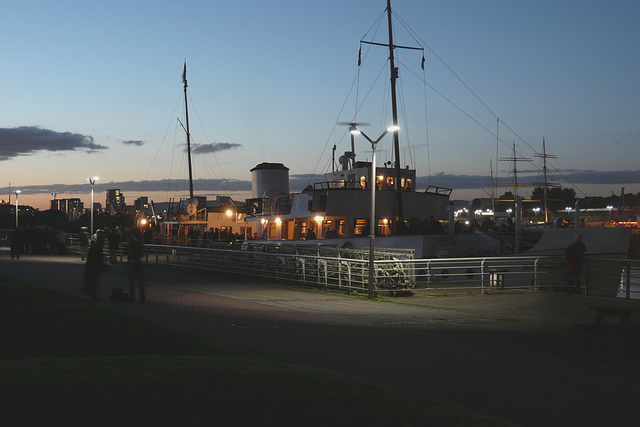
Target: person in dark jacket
(94, 266)
(135, 251)
(573, 264)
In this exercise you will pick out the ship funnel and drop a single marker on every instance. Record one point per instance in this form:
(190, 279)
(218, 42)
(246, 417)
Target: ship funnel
(269, 179)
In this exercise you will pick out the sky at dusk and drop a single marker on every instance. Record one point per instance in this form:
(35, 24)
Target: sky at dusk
(95, 89)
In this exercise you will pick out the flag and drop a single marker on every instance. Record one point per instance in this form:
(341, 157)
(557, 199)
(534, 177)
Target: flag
(360, 56)
(184, 73)
(422, 65)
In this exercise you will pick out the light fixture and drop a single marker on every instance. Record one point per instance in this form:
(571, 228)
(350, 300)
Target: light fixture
(372, 226)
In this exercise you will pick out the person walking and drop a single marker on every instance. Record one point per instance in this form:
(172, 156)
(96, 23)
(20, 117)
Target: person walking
(61, 242)
(83, 241)
(135, 252)
(573, 256)
(94, 266)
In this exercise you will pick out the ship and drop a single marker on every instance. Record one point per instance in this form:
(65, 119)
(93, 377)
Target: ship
(359, 201)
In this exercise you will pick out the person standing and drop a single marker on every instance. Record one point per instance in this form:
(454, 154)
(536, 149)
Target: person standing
(83, 241)
(573, 256)
(61, 242)
(94, 266)
(16, 243)
(135, 252)
(114, 238)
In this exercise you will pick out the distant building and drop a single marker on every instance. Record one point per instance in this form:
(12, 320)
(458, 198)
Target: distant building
(141, 204)
(73, 208)
(115, 202)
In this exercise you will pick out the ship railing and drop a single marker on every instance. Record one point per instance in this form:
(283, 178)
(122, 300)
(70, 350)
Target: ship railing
(439, 190)
(338, 185)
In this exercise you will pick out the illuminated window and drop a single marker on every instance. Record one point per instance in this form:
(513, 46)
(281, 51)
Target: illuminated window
(384, 227)
(360, 228)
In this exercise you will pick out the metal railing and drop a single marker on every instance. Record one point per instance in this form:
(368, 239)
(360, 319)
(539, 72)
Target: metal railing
(395, 271)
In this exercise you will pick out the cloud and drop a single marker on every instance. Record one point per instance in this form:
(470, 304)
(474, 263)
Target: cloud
(133, 142)
(214, 147)
(566, 179)
(27, 140)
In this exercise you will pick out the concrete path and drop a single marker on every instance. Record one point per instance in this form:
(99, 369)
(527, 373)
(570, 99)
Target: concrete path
(514, 356)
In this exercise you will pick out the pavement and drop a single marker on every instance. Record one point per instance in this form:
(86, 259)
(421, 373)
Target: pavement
(514, 355)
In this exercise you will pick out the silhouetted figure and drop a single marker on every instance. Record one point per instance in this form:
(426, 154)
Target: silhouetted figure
(94, 266)
(83, 241)
(114, 238)
(61, 242)
(573, 264)
(310, 234)
(135, 252)
(16, 243)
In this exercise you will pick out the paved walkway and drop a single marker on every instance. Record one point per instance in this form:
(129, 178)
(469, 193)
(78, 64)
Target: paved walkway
(514, 356)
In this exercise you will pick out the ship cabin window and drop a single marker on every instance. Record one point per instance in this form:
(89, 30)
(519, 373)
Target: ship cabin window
(390, 183)
(361, 227)
(341, 226)
(303, 229)
(384, 227)
(407, 184)
(363, 182)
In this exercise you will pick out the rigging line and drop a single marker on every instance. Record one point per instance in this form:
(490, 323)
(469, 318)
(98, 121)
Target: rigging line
(460, 79)
(324, 149)
(166, 133)
(208, 141)
(568, 180)
(405, 26)
(335, 124)
(379, 21)
(465, 113)
(449, 68)
(426, 125)
(459, 108)
(405, 123)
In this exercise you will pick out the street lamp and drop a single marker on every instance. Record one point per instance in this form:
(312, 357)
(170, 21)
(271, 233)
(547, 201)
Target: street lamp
(92, 181)
(372, 226)
(610, 209)
(17, 192)
(536, 210)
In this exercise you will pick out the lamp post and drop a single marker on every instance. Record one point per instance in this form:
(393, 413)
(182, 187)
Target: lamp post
(16, 193)
(92, 181)
(372, 222)
(536, 210)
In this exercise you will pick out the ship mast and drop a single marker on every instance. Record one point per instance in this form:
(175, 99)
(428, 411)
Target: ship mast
(545, 187)
(394, 106)
(186, 109)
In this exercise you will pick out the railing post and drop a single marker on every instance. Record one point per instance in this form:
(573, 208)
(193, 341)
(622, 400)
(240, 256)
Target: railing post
(482, 275)
(627, 280)
(535, 275)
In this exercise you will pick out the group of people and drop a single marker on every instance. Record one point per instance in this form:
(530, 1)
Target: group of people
(95, 264)
(37, 240)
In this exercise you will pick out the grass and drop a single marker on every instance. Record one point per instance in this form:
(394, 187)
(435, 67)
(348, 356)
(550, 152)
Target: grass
(65, 360)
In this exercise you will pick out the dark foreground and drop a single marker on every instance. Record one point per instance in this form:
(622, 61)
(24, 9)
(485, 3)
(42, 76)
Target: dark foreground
(515, 357)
